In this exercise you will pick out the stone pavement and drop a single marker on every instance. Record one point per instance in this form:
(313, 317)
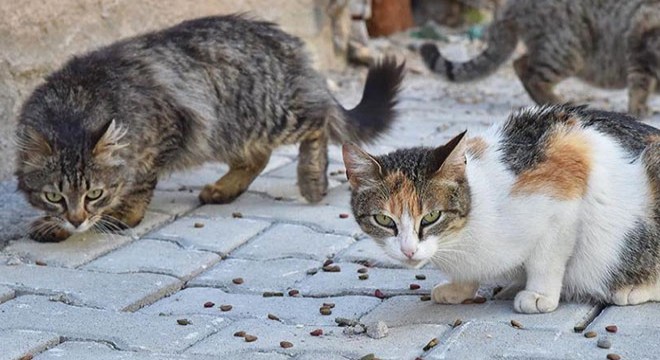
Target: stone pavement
(162, 290)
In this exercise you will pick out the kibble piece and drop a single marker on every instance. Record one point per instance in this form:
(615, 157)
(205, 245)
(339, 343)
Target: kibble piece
(27, 357)
(363, 276)
(273, 317)
(285, 344)
(604, 343)
(431, 344)
(379, 294)
(414, 287)
(294, 292)
(328, 262)
(458, 323)
(420, 277)
(425, 297)
(362, 270)
(590, 334)
(343, 216)
(226, 307)
(479, 300)
(613, 356)
(516, 324)
(236, 215)
(240, 334)
(332, 268)
(183, 322)
(611, 328)
(209, 304)
(278, 294)
(325, 310)
(40, 263)
(250, 338)
(199, 225)
(267, 294)
(238, 281)
(317, 332)
(368, 357)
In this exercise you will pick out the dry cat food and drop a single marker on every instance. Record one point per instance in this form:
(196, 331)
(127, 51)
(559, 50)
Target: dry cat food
(590, 334)
(325, 310)
(40, 263)
(414, 287)
(239, 334)
(516, 324)
(27, 357)
(183, 322)
(604, 343)
(368, 357)
(226, 307)
(285, 344)
(199, 225)
(420, 277)
(236, 215)
(209, 304)
(328, 262)
(363, 276)
(294, 292)
(343, 216)
(273, 317)
(317, 332)
(611, 328)
(613, 356)
(362, 270)
(238, 281)
(379, 294)
(431, 344)
(250, 338)
(332, 268)
(273, 294)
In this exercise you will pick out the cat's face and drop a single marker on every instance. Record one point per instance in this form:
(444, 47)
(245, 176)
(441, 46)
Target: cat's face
(77, 182)
(409, 201)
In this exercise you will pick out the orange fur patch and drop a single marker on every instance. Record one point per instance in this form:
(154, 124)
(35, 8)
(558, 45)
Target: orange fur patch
(565, 171)
(403, 195)
(477, 147)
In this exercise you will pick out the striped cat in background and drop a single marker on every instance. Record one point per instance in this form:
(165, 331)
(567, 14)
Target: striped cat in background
(607, 43)
(557, 200)
(96, 136)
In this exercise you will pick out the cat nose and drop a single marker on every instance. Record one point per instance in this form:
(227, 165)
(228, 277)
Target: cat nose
(409, 252)
(76, 220)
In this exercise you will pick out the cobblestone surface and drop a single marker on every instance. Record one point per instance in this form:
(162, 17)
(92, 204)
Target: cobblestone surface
(123, 296)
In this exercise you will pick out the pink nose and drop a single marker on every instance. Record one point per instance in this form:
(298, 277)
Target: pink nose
(408, 253)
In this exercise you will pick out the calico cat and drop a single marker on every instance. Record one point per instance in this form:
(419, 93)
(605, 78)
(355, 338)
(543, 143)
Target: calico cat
(559, 200)
(95, 137)
(607, 43)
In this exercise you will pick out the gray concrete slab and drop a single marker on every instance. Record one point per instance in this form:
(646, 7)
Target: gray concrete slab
(21, 344)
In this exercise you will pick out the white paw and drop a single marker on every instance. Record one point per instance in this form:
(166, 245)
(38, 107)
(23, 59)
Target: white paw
(453, 293)
(529, 302)
(633, 295)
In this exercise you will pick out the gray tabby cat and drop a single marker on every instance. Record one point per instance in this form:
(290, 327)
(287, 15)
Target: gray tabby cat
(95, 137)
(557, 200)
(607, 43)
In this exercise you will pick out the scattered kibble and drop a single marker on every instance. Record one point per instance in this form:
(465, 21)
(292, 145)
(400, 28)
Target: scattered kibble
(332, 268)
(236, 215)
(363, 276)
(431, 344)
(590, 334)
(278, 294)
(379, 294)
(240, 334)
(183, 322)
(285, 344)
(209, 304)
(362, 270)
(226, 307)
(613, 356)
(425, 298)
(198, 225)
(604, 343)
(343, 216)
(328, 262)
(294, 292)
(457, 323)
(250, 338)
(414, 287)
(317, 332)
(420, 277)
(273, 317)
(40, 263)
(516, 324)
(479, 300)
(238, 281)
(325, 311)
(611, 328)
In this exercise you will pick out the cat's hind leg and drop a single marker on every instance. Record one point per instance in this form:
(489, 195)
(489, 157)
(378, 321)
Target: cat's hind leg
(454, 293)
(313, 166)
(643, 60)
(242, 171)
(539, 75)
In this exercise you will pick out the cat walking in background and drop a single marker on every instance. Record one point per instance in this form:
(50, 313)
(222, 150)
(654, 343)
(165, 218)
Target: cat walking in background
(607, 43)
(95, 137)
(557, 200)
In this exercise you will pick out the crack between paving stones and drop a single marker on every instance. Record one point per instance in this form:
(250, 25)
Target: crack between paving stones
(107, 343)
(589, 317)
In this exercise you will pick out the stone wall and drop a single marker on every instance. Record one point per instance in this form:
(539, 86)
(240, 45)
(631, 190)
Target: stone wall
(36, 37)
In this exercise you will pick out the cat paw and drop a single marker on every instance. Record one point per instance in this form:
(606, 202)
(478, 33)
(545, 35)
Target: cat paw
(313, 190)
(44, 230)
(635, 294)
(530, 302)
(453, 293)
(640, 111)
(212, 194)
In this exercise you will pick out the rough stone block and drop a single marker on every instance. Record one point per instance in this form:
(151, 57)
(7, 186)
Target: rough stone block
(19, 344)
(366, 250)
(174, 202)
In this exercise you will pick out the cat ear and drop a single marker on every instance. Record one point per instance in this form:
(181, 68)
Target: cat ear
(361, 168)
(110, 141)
(33, 148)
(450, 158)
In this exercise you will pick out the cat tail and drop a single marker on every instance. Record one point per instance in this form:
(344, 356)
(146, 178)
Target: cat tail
(375, 113)
(501, 39)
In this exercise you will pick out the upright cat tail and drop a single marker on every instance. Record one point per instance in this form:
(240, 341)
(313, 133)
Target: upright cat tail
(375, 113)
(501, 40)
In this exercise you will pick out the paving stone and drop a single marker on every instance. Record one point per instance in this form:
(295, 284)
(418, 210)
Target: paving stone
(366, 250)
(291, 310)
(293, 241)
(401, 343)
(99, 351)
(323, 218)
(409, 310)
(73, 252)
(125, 292)
(220, 235)
(174, 202)
(15, 213)
(390, 281)
(320, 355)
(151, 221)
(163, 257)
(15, 344)
(125, 331)
(6, 293)
(258, 276)
(281, 188)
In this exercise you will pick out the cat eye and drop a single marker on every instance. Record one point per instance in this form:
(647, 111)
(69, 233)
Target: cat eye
(431, 217)
(94, 194)
(53, 197)
(384, 220)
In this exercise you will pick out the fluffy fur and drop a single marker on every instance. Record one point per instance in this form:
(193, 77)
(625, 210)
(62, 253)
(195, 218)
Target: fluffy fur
(558, 200)
(96, 136)
(607, 43)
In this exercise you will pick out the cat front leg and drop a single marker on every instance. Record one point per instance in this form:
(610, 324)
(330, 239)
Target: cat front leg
(313, 166)
(242, 171)
(455, 292)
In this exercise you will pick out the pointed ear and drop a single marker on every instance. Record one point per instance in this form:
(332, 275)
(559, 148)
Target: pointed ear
(361, 168)
(33, 149)
(109, 141)
(450, 157)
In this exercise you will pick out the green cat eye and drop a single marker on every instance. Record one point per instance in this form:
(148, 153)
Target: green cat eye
(431, 217)
(94, 194)
(384, 220)
(53, 197)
